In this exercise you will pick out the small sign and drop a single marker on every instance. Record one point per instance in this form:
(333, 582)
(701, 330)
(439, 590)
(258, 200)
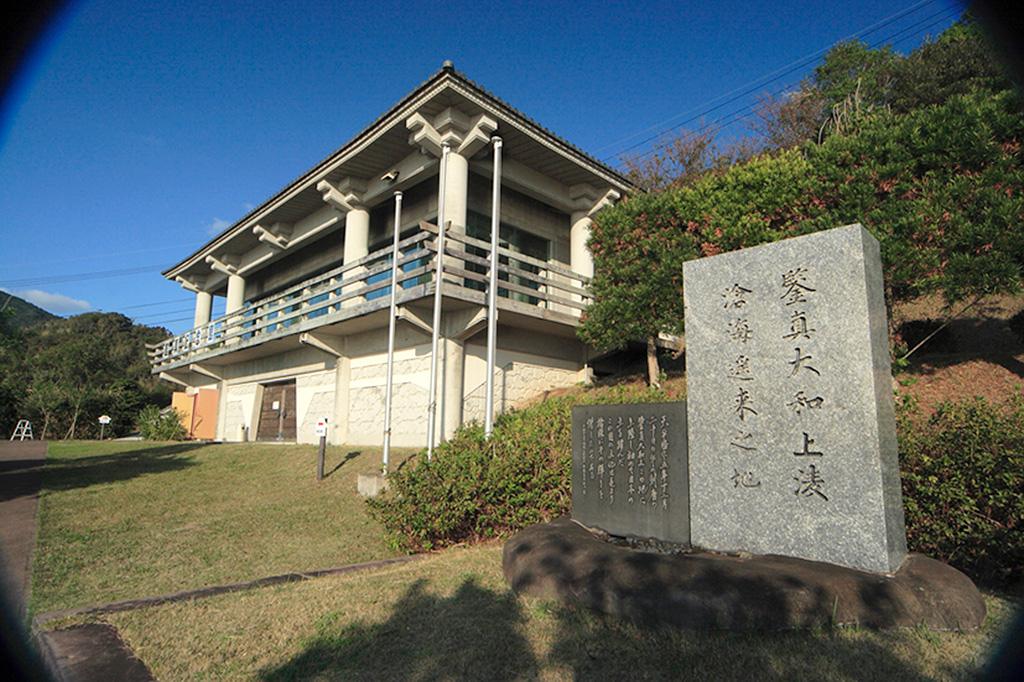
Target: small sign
(321, 427)
(276, 405)
(104, 419)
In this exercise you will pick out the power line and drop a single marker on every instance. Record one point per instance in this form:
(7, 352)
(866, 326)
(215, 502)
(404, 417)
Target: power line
(81, 276)
(160, 323)
(163, 313)
(154, 303)
(737, 115)
(112, 254)
(798, 62)
(771, 77)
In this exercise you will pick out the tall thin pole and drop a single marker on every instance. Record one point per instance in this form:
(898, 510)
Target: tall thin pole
(436, 328)
(492, 289)
(391, 334)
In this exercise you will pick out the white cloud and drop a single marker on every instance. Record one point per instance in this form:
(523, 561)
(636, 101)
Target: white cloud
(58, 304)
(217, 226)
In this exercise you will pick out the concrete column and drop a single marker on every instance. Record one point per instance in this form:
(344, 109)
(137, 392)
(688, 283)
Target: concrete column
(357, 245)
(236, 293)
(204, 308)
(338, 430)
(357, 234)
(456, 195)
(452, 386)
(580, 259)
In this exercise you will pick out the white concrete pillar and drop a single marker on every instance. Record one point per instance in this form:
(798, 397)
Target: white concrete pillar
(236, 293)
(357, 234)
(357, 245)
(452, 386)
(204, 308)
(580, 259)
(456, 195)
(338, 431)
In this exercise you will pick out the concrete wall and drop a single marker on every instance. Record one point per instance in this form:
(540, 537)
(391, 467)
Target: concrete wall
(350, 391)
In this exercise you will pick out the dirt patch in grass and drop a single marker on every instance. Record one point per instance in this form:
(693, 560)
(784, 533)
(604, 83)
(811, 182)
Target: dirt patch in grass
(451, 616)
(128, 520)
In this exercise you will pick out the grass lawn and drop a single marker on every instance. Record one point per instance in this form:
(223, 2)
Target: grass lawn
(450, 616)
(120, 520)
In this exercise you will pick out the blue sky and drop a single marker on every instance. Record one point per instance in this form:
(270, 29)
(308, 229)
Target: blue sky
(138, 129)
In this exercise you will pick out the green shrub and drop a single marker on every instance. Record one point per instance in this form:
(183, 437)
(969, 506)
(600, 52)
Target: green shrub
(157, 425)
(962, 471)
(474, 488)
(963, 487)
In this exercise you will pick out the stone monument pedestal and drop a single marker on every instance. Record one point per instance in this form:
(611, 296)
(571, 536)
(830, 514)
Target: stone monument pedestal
(564, 561)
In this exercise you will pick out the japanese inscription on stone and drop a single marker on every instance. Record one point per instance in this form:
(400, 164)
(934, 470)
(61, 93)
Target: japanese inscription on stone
(792, 441)
(629, 469)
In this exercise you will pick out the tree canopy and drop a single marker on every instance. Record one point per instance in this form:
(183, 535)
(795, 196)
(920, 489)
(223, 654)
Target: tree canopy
(62, 374)
(927, 156)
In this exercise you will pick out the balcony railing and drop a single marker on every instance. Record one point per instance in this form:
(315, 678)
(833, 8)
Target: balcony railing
(363, 286)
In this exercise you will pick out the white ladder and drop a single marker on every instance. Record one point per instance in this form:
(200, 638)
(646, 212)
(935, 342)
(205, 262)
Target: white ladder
(23, 430)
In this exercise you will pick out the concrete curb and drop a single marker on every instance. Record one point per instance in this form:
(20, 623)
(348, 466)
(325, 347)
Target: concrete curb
(214, 590)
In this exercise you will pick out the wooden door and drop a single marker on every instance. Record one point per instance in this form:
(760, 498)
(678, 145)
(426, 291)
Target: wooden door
(277, 413)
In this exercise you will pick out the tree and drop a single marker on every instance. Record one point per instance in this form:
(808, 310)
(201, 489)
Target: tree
(941, 187)
(960, 61)
(681, 158)
(64, 373)
(790, 119)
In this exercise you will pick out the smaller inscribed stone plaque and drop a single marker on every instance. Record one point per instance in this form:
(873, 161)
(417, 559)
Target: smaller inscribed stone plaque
(791, 423)
(629, 470)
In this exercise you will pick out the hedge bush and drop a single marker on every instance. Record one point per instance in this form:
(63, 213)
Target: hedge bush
(963, 487)
(157, 425)
(474, 488)
(962, 472)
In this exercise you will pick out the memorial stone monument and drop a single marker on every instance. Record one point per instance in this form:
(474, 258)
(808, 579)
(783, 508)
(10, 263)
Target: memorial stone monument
(792, 435)
(629, 470)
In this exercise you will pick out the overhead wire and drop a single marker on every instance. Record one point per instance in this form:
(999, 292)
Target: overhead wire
(747, 110)
(774, 76)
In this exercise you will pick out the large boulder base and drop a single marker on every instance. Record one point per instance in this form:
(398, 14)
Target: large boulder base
(562, 560)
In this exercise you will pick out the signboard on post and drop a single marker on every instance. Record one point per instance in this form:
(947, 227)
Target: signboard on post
(103, 420)
(321, 432)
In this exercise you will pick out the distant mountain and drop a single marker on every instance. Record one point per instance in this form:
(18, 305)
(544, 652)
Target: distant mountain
(19, 313)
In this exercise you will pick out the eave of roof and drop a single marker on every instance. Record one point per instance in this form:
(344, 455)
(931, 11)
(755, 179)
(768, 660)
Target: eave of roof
(446, 72)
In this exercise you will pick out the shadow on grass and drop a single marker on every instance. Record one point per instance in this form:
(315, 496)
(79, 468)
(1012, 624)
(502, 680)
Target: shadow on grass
(474, 634)
(600, 647)
(478, 633)
(349, 456)
(82, 472)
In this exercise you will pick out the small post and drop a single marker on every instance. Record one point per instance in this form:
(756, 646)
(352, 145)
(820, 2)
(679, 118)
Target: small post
(103, 420)
(321, 430)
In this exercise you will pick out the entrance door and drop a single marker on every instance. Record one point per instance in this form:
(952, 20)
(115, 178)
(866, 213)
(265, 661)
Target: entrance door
(277, 413)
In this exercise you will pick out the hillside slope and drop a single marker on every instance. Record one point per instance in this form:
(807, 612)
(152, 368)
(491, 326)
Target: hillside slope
(19, 313)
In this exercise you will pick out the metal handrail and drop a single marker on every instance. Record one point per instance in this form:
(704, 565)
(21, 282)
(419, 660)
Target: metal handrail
(340, 288)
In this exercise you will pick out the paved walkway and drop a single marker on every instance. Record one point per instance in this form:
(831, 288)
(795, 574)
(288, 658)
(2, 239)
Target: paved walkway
(80, 654)
(21, 473)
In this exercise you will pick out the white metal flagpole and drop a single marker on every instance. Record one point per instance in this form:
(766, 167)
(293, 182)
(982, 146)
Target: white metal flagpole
(391, 334)
(436, 328)
(492, 289)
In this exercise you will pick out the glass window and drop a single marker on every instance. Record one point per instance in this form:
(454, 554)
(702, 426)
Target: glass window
(514, 239)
